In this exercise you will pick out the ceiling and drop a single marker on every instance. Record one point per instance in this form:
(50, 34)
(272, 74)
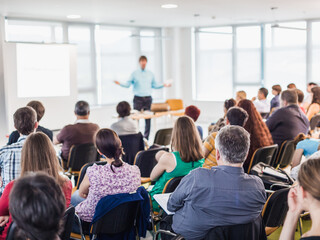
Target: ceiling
(149, 12)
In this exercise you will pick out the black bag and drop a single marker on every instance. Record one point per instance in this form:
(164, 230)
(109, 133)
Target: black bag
(271, 176)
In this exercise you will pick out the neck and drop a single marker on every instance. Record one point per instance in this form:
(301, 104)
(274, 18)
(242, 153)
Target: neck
(83, 117)
(108, 160)
(315, 228)
(225, 163)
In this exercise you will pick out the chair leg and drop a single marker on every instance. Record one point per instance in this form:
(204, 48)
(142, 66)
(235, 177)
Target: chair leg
(300, 226)
(94, 237)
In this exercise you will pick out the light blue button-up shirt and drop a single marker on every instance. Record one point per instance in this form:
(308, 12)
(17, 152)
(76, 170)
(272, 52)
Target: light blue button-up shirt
(143, 82)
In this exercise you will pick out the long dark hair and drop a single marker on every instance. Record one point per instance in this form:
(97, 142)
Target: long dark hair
(316, 95)
(109, 144)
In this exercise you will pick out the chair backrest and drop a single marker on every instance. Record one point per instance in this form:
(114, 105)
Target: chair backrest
(275, 209)
(264, 154)
(146, 160)
(285, 154)
(250, 231)
(12, 231)
(68, 220)
(84, 170)
(172, 184)
(118, 220)
(175, 104)
(314, 122)
(163, 137)
(132, 144)
(82, 154)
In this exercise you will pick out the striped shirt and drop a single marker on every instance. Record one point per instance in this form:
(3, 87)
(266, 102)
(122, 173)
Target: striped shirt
(209, 144)
(10, 162)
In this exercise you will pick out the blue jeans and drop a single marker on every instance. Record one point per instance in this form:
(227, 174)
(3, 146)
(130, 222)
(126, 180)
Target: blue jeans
(76, 199)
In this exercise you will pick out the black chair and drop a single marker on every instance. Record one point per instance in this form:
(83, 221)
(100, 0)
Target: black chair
(172, 184)
(146, 160)
(275, 210)
(83, 171)
(118, 220)
(314, 122)
(264, 154)
(251, 231)
(285, 154)
(12, 232)
(80, 155)
(163, 137)
(132, 144)
(68, 220)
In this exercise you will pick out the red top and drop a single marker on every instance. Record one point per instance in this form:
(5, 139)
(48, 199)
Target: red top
(4, 203)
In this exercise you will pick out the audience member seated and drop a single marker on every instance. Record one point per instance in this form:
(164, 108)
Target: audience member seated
(235, 116)
(40, 110)
(25, 121)
(186, 156)
(102, 180)
(37, 206)
(314, 108)
(229, 103)
(125, 125)
(240, 95)
(288, 121)
(222, 196)
(304, 197)
(38, 155)
(81, 132)
(259, 133)
(308, 99)
(275, 101)
(300, 100)
(262, 104)
(291, 86)
(305, 147)
(194, 112)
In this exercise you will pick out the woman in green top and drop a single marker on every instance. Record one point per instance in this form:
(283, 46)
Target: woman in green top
(186, 156)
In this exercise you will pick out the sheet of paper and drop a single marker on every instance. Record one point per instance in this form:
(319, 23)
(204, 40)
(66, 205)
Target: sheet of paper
(162, 200)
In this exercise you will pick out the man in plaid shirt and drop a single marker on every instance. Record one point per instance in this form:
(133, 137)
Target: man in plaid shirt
(25, 121)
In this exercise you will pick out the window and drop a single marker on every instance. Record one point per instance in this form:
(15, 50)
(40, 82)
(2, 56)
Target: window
(33, 31)
(213, 52)
(248, 55)
(82, 37)
(315, 75)
(286, 54)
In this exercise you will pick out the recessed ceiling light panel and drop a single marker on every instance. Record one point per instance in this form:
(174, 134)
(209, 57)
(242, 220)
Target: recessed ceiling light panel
(73, 16)
(169, 6)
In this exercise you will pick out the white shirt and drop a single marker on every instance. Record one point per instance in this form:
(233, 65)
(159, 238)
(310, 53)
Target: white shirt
(125, 126)
(262, 106)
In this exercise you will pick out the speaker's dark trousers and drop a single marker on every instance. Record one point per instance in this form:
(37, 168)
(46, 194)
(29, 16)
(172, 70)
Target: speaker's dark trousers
(143, 103)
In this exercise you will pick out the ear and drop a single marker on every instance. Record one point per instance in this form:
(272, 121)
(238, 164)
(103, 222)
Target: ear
(36, 125)
(227, 121)
(218, 156)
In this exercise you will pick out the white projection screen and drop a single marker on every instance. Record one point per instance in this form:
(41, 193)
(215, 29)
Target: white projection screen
(44, 66)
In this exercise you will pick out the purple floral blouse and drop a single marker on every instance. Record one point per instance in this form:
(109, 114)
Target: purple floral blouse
(104, 182)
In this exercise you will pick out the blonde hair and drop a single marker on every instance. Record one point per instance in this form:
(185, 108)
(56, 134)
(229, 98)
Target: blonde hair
(241, 95)
(309, 177)
(38, 155)
(186, 140)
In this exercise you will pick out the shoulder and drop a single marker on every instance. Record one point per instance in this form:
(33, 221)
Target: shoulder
(168, 158)
(132, 168)
(255, 181)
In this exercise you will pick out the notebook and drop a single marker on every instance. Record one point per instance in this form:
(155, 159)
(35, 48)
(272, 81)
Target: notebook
(162, 200)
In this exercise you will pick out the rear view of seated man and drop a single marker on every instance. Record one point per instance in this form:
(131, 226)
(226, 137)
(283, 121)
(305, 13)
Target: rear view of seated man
(25, 121)
(262, 104)
(125, 125)
(40, 110)
(83, 131)
(235, 116)
(222, 196)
